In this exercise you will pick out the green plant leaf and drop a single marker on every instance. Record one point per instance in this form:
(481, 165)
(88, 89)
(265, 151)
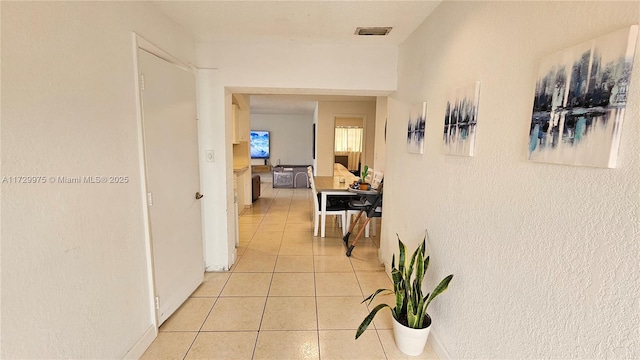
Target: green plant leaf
(401, 259)
(419, 274)
(396, 276)
(420, 314)
(409, 270)
(370, 297)
(367, 320)
(444, 284)
(411, 315)
(401, 306)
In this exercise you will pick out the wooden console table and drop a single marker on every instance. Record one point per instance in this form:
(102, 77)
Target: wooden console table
(260, 168)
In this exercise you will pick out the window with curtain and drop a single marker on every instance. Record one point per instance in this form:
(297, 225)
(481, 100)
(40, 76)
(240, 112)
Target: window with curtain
(348, 139)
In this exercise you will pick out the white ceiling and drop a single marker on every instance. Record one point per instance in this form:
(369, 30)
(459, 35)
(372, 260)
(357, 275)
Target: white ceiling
(304, 21)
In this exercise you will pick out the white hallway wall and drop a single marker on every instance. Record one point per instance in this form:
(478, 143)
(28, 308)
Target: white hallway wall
(74, 276)
(270, 68)
(291, 137)
(545, 256)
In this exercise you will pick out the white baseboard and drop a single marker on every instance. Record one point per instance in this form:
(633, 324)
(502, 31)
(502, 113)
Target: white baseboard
(437, 347)
(142, 344)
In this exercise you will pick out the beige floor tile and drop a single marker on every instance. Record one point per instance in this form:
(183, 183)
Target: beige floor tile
(332, 229)
(339, 263)
(371, 281)
(248, 227)
(286, 345)
(212, 284)
(293, 284)
(275, 219)
(305, 226)
(258, 208)
(303, 211)
(340, 313)
(341, 344)
(251, 262)
(271, 227)
(300, 217)
(240, 250)
(366, 264)
(169, 346)
(337, 284)
(272, 238)
(235, 314)
(190, 316)
(268, 236)
(245, 236)
(262, 247)
(393, 353)
(296, 248)
(290, 313)
(298, 236)
(280, 206)
(247, 284)
(258, 250)
(243, 220)
(328, 247)
(223, 346)
(294, 264)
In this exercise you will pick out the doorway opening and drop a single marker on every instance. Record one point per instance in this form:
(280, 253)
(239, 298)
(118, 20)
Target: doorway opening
(349, 142)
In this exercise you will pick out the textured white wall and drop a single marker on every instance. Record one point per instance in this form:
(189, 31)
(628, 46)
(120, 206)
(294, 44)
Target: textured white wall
(270, 68)
(545, 256)
(74, 278)
(290, 137)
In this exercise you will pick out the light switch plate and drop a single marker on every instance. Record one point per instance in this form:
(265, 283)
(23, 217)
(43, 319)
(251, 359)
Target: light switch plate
(209, 156)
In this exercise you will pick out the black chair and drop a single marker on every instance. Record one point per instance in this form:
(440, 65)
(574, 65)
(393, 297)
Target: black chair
(371, 207)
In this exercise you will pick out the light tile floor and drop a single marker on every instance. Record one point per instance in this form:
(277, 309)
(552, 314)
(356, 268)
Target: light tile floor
(290, 295)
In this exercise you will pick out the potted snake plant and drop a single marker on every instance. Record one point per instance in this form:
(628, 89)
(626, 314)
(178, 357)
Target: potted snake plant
(411, 322)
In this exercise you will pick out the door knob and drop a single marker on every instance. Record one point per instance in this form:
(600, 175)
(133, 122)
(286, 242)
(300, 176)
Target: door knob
(199, 196)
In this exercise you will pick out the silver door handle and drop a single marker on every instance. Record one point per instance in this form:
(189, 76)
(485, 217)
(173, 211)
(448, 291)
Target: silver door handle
(199, 196)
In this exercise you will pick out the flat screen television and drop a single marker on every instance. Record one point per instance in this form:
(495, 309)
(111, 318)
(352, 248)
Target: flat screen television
(259, 144)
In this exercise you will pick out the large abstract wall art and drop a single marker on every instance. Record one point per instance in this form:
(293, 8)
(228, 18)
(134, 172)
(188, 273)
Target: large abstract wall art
(415, 128)
(580, 100)
(460, 120)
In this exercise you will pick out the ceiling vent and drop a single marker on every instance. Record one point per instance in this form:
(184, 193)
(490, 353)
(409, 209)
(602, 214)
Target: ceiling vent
(377, 31)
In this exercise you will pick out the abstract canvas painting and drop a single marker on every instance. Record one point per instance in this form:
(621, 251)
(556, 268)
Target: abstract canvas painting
(460, 120)
(580, 100)
(415, 128)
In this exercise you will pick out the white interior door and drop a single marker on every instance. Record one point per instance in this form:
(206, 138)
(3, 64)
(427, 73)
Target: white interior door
(172, 169)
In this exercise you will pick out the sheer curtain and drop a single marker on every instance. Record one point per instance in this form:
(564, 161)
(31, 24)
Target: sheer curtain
(348, 141)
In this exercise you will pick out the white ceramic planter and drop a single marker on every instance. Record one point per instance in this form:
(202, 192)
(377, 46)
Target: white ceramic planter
(410, 341)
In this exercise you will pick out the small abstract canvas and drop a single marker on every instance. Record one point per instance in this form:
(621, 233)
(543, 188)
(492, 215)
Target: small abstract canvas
(415, 128)
(580, 101)
(460, 120)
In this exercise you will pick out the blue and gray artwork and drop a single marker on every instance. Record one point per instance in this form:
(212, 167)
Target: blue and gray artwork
(415, 128)
(580, 100)
(259, 144)
(460, 121)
